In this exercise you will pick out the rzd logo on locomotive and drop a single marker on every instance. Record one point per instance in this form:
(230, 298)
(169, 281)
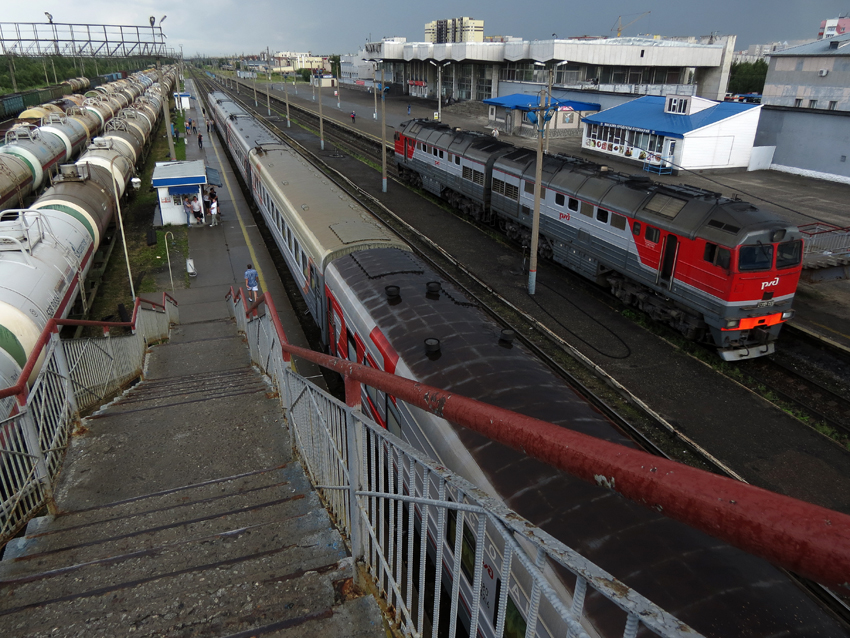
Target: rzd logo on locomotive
(772, 282)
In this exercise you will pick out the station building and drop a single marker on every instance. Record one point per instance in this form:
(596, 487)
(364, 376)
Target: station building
(614, 70)
(668, 134)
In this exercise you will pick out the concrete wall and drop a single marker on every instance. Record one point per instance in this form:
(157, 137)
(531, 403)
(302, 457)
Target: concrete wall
(812, 143)
(798, 78)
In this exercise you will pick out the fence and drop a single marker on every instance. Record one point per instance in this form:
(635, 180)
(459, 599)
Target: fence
(826, 239)
(72, 375)
(389, 500)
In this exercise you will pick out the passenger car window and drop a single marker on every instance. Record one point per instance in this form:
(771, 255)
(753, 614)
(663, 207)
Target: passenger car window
(560, 199)
(602, 215)
(573, 204)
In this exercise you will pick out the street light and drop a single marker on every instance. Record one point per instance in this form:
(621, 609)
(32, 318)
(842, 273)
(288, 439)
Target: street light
(440, 87)
(120, 218)
(321, 119)
(383, 125)
(549, 93)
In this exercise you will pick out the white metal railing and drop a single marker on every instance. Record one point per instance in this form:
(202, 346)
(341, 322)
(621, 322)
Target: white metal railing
(826, 239)
(73, 375)
(404, 514)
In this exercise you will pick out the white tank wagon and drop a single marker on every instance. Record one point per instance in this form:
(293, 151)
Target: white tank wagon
(70, 131)
(41, 152)
(44, 255)
(15, 181)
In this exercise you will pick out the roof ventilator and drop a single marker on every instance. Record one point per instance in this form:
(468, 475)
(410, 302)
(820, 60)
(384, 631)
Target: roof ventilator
(432, 290)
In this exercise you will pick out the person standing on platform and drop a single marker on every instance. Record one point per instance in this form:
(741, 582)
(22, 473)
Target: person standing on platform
(187, 127)
(197, 210)
(214, 212)
(194, 127)
(206, 203)
(353, 115)
(200, 140)
(252, 283)
(408, 109)
(208, 126)
(214, 196)
(187, 208)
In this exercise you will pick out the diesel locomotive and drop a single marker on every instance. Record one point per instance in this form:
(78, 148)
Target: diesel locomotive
(714, 268)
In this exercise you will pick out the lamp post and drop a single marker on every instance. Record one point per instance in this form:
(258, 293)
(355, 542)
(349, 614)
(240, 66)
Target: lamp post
(339, 84)
(549, 93)
(440, 87)
(269, 87)
(121, 221)
(375, 91)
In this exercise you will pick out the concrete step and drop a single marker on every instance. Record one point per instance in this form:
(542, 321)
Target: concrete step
(217, 597)
(258, 511)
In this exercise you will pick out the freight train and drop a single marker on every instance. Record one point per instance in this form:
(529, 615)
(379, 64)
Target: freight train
(716, 269)
(376, 304)
(46, 247)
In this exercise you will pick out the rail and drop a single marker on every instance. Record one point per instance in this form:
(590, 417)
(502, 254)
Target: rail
(61, 378)
(826, 239)
(347, 456)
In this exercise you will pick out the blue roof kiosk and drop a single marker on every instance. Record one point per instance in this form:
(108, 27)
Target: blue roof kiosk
(509, 114)
(173, 181)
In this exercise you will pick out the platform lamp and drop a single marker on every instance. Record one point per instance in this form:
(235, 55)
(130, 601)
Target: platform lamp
(440, 87)
(539, 117)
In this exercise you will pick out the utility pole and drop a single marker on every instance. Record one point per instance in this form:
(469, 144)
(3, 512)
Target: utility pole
(540, 122)
(321, 120)
(375, 90)
(166, 112)
(286, 97)
(383, 135)
(269, 87)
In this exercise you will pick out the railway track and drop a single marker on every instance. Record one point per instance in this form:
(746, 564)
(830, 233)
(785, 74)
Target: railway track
(655, 434)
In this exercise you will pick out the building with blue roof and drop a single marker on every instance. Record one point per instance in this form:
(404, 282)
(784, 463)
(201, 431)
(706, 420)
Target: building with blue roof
(675, 132)
(509, 113)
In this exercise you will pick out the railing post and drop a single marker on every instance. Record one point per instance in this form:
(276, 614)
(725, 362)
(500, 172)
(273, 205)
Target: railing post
(29, 429)
(354, 441)
(352, 392)
(65, 373)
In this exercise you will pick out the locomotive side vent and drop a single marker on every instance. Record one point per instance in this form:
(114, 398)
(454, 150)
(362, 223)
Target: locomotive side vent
(393, 294)
(432, 348)
(506, 338)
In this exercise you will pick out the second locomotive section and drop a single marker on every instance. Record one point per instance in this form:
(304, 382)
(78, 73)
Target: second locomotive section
(716, 269)
(376, 303)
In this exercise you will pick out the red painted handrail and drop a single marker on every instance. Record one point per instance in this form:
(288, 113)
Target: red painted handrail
(806, 539)
(19, 389)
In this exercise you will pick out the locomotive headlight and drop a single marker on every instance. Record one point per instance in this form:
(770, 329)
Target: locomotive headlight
(787, 315)
(733, 323)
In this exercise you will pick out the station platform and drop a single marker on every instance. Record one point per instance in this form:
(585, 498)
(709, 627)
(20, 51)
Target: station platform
(821, 308)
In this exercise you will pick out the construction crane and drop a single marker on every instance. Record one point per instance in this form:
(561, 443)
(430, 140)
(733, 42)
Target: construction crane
(620, 26)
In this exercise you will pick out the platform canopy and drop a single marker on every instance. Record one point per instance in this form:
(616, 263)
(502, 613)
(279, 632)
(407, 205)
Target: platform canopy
(528, 102)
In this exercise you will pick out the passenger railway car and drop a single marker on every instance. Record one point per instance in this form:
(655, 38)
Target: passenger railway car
(46, 249)
(379, 303)
(717, 269)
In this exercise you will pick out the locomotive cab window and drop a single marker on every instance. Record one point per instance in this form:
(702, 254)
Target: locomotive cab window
(457, 160)
(758, 257)
(717, 255)
(789, 254)
(559, 199)
(573, 204)
(653, 234)
(602, 215)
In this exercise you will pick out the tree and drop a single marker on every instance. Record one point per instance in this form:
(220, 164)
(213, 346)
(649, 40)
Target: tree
(747, 77)
(336, 65)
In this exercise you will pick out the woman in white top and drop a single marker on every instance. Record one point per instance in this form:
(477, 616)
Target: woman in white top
(214, 212)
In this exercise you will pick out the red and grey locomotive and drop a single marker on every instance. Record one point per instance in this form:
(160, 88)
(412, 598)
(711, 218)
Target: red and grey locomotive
(717, 269)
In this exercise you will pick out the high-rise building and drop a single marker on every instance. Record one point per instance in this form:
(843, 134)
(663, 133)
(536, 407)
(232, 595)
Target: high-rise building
(454, 30)
(834, 26)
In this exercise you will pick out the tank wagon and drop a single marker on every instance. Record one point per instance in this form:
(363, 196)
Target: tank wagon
(46, 249)
(376, 303)
(716, 269)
